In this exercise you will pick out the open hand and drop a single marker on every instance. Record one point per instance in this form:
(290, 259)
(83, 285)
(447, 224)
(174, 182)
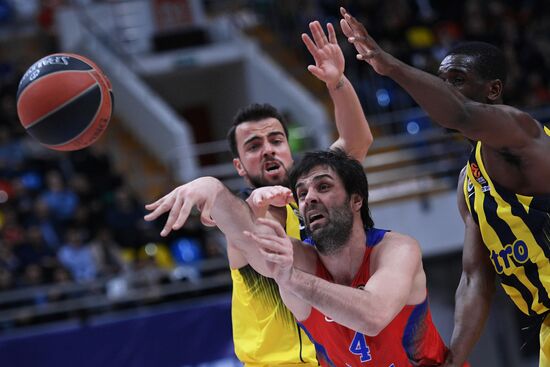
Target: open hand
(329, 59)
(367, 48)
(201, 193)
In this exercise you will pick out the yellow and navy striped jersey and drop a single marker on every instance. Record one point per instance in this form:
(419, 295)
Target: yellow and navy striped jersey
(265, 332)
(516, 230)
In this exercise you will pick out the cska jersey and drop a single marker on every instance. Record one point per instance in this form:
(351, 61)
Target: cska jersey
(410, 339)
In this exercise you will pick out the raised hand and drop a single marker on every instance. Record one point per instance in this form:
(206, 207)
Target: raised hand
(367, 48)
(329, 59)
(276, 249)
(261, 198)
(201, 193)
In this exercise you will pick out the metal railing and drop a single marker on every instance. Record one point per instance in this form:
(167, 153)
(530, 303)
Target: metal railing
(53, 302)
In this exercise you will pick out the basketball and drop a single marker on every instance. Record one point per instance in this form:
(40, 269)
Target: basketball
(64, 101)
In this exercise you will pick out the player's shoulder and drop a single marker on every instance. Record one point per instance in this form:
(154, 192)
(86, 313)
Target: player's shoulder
(395, 241)
(393, 236)
(395, 250)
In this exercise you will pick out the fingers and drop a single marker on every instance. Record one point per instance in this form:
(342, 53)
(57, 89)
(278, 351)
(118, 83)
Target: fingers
(159, 207)
(258, 200)
(346, 29)
(343, 11)
(206, 219)
(152, 206)
(317, 71)
(153, 215)
(276, 226)
(274, 195)
(182, 214)
(274, 257)
(172, 217)
(318, 34)
(351, 25)
(270, 245)
(352, 21)
(366, 55)
(309, 45)
(331, 34)
(289, 197)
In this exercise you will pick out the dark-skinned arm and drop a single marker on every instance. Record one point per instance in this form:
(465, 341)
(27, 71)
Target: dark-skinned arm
(443, 103)
(475, 291)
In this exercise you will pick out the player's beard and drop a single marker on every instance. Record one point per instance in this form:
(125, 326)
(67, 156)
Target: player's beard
(331, 237)
(259, 181)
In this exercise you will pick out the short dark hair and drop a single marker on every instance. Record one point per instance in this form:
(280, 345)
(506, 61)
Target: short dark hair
(490, 60)
(349, 170)
(253, 113)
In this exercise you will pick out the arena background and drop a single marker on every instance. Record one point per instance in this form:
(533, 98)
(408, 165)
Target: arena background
(180, 69)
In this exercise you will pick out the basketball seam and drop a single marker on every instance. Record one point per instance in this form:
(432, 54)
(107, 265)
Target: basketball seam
(91, 120)
(47, 76)
(63, 105)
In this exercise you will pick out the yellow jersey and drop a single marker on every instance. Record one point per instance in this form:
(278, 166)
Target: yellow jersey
(265, 332)
(516, 230)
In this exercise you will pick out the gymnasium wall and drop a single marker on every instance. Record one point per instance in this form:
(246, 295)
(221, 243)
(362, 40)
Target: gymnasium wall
(175, 337)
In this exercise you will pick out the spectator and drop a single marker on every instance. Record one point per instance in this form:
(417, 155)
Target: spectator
(78, 257)
(34, 250)
(61, 200)
(107, 253)
(41, 218)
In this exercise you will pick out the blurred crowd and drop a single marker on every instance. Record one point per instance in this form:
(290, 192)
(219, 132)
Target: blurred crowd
(68, 217)
(420, 32)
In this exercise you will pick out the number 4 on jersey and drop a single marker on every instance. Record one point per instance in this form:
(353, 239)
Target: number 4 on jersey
(359, 346)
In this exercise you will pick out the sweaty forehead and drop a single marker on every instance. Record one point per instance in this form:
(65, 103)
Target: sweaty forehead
(465, 63)
(261, 128)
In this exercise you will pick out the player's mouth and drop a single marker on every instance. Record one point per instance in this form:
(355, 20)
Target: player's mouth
(273, 168)
(315, 219)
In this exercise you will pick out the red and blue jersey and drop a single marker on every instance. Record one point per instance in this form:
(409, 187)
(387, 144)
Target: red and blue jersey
(410, 339)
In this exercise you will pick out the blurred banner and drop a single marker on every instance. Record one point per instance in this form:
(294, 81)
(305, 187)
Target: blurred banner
(198, 335)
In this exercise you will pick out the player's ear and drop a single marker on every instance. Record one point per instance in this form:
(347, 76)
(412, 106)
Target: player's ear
(356, 202)
(239, 167)
(495, 90)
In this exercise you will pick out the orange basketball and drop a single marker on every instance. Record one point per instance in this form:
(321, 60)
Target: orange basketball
(64, 101)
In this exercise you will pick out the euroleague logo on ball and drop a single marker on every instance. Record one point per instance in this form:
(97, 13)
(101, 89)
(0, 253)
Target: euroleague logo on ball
(65, 101)
(34, 70)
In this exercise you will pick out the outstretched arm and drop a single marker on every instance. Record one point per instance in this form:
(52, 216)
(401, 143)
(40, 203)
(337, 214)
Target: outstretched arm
(475, 291)
(444, 103)
(218, 206)
(211, 198)
(397, 280)
(355, 136)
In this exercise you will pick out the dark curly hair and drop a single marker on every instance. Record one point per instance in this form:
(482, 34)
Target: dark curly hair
(349, 170)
